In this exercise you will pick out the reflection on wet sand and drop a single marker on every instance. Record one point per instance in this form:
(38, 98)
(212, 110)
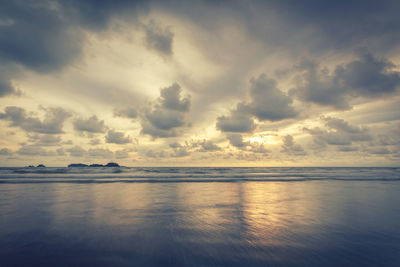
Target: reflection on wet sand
(170, 224)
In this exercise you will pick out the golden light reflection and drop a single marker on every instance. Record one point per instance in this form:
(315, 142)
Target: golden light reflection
(271, 209)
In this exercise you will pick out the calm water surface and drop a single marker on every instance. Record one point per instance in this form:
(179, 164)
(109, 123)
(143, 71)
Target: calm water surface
(200, 217)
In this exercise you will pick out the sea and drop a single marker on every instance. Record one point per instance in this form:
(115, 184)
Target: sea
(199, 216)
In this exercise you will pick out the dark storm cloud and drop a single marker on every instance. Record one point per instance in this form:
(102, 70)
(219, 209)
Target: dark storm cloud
(96, 14)
(340, 133)
(117, 137)
(167, 114)
(51, 124)
(159, 39)
(291, 148)
(38, 35)
(90, 125)
(340, 24)
(45, 36)
(367, 76)
(239, 121)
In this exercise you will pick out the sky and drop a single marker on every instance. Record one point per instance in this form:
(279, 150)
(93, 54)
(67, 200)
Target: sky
(200, 83)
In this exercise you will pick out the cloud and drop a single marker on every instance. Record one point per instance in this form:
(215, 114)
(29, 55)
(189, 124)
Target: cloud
(170, 98)
(239, 121)
(236, 140)
(368, 76)
(151, 129)
(167, 113)
(35, 150)
(377, 150)
(5, 152)
(6, 87)
(347, 148)
(257, 148)
(319, 86)
(206, 146)
(122, 154)
(155, 154)
(91, 125)
(341, 24)
(179, 150)
(37, 37)
(387, 140)
(45, 139)
(128, 112)
(165, 119)
(94, 141)
(117, 137)
(80, 152)
(158, 39)
(341, 133)
(267, 101)
(100, 153)
(51, 124)
(61, 152)
(76, 151)
(291, 148)
(46, 36)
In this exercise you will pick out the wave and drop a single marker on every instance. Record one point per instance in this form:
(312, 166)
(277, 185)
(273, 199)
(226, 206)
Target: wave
(226, 180)
(198, 174)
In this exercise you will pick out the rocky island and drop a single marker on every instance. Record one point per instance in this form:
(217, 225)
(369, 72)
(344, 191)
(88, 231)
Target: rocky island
(80, 165)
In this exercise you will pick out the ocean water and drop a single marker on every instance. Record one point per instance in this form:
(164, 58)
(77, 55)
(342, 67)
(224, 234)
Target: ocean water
(199, 216)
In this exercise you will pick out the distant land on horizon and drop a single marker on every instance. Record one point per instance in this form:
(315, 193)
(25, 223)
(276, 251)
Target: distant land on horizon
(110, 164)
(72, 165)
